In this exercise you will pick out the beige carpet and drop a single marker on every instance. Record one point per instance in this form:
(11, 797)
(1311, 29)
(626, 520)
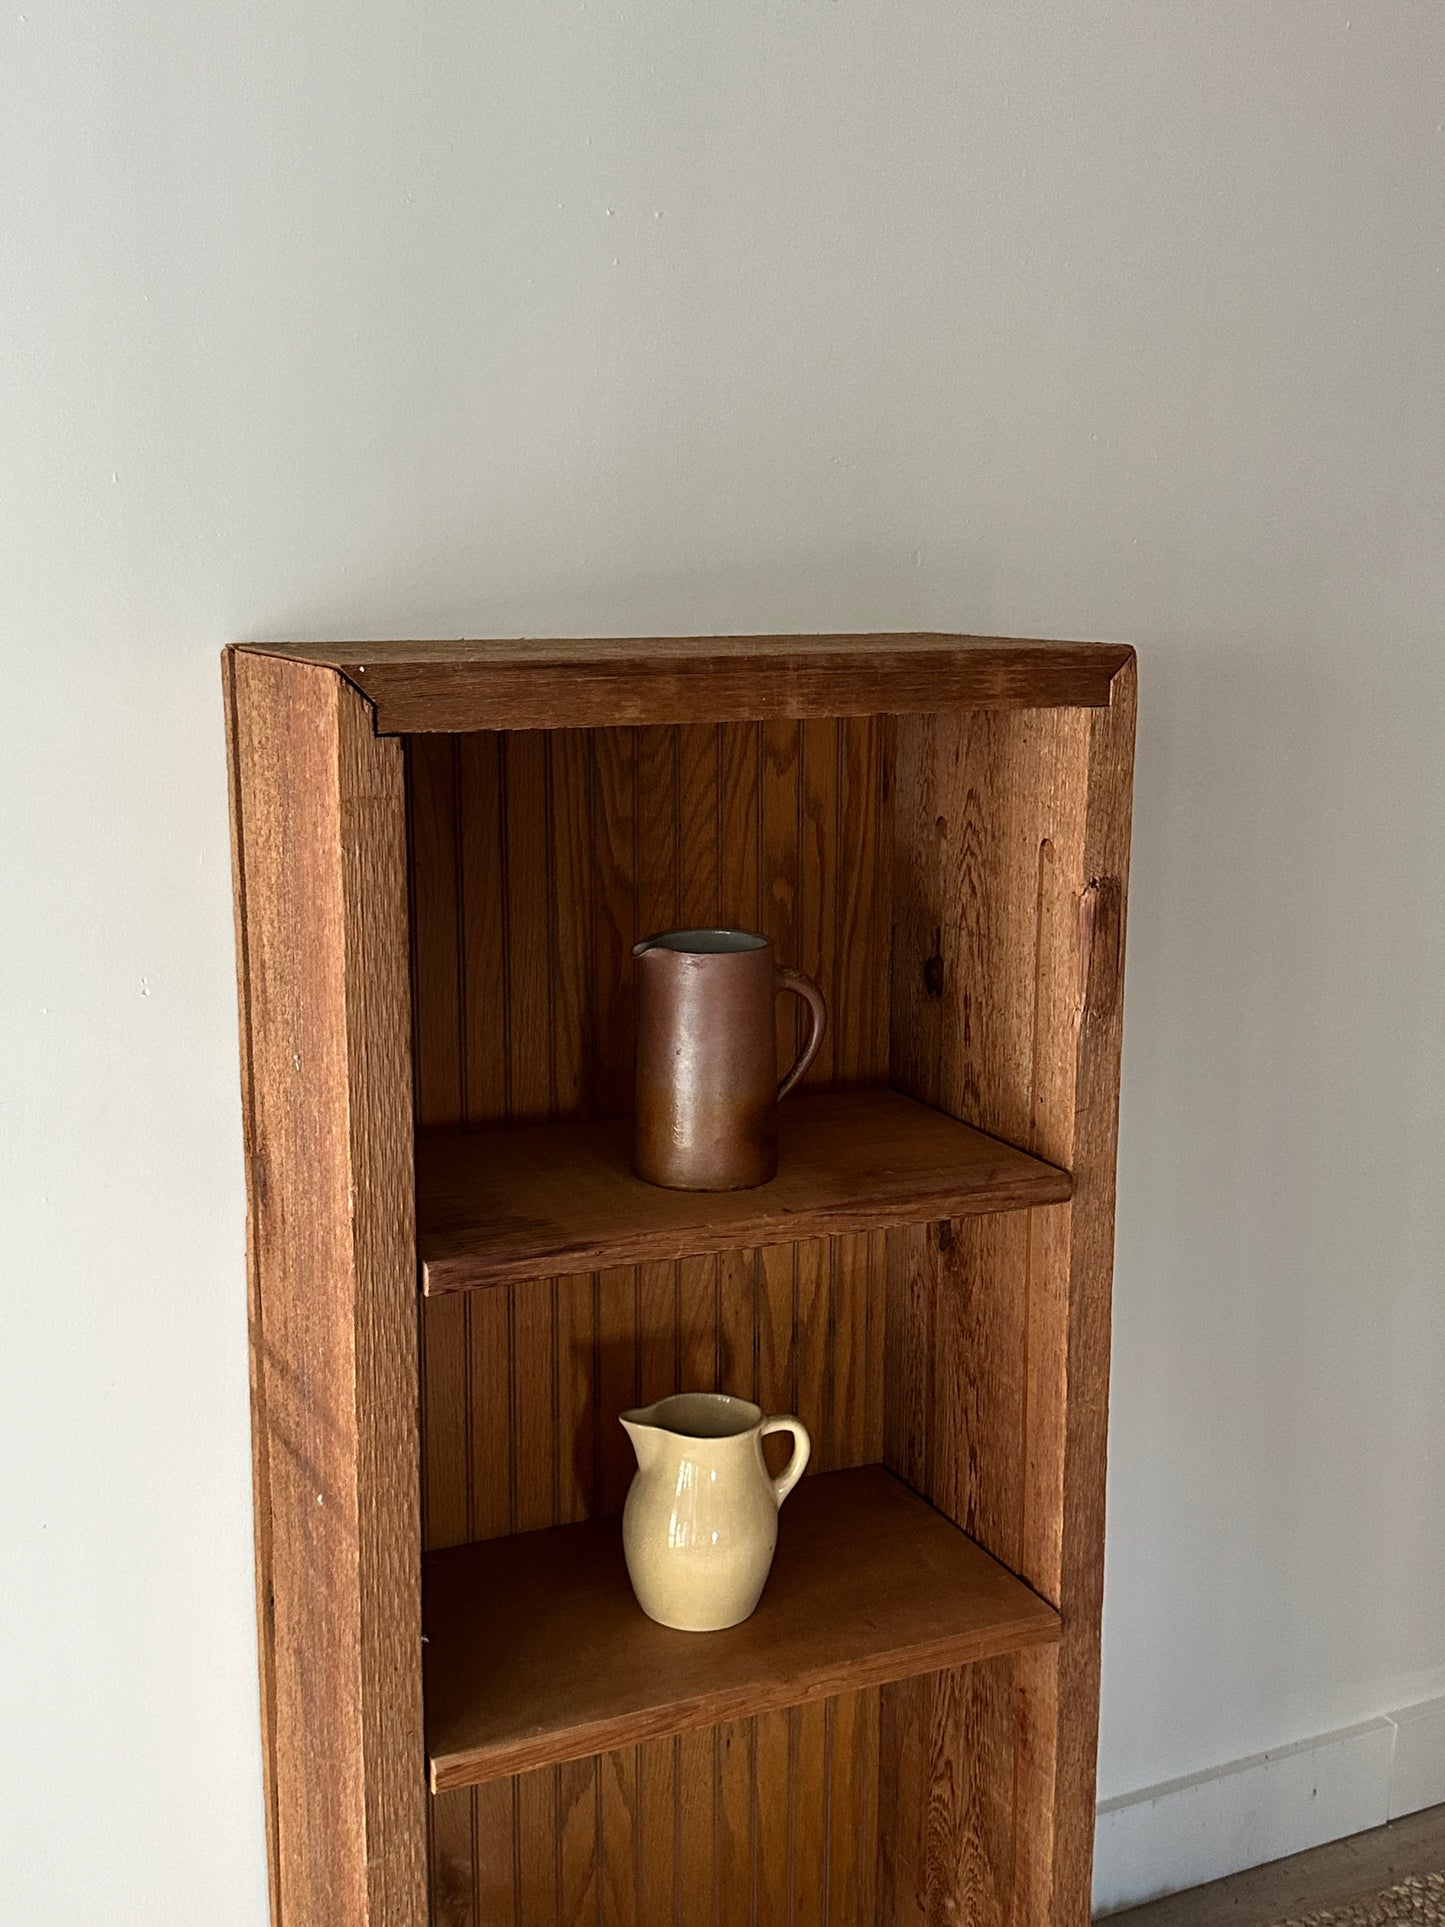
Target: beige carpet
(1421, 1899)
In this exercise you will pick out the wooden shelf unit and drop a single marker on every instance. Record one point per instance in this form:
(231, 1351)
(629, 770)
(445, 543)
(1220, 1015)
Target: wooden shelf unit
(443, 855)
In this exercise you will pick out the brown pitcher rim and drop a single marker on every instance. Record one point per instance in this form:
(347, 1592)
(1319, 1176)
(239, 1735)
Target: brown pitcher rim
(671, 941)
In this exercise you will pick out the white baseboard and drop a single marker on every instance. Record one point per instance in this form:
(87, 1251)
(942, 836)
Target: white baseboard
(1184, 1832)
(1417, 1776)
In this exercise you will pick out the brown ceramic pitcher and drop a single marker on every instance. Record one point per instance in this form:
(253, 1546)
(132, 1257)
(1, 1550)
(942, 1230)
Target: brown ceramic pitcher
(707, 1058)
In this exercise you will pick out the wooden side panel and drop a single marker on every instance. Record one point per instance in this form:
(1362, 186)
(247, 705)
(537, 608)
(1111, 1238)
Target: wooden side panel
(1011, 859)
(1077, 1242)
(321, 916)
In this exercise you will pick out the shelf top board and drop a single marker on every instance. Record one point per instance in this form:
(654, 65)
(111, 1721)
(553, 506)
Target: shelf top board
(537, 1651)
(541, 1201)
(581, 684)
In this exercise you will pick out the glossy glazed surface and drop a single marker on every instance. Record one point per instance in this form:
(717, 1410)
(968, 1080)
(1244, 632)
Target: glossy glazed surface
(701, 1522)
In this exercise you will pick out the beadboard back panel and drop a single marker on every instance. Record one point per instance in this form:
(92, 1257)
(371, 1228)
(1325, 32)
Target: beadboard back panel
(538, 858)
(760, 1823)
(536, 861)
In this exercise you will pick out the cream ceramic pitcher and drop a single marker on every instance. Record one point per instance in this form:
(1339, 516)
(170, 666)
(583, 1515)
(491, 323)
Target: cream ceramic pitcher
(701, 1521)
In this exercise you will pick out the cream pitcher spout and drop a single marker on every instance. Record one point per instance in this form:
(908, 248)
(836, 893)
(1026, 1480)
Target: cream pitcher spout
(647, 1436)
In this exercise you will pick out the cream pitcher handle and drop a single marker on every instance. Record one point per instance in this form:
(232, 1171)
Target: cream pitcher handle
(802, 1450)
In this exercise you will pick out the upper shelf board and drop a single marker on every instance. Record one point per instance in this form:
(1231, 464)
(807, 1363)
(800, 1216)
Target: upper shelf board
(585, 684)
(496, 1207)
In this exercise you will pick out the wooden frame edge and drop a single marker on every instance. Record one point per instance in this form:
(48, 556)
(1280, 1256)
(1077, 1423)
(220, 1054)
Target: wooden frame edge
(320, 879)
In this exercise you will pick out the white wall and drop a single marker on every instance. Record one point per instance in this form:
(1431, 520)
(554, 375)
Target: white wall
(1113, 320)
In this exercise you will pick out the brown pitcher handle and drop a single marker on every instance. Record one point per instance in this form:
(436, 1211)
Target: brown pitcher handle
(805, 988)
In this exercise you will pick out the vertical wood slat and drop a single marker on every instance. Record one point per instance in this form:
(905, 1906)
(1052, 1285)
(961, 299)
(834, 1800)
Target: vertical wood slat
(733, 1823)
(819, 850)
(537, 1841)
(946, 1823)
(614, 918)
(810, 1737)
(863, 882)
(494, 1845)
(479, 832)
(697, 1828)
(852, 1836)
(982, 823)
(699, 826)
(571, 944)
(772, 1817)
(578, 1801)
(438, 929)
(781, 864)
(657, 1831)
(619, 1837)
(814, 1284)
(320, 872)
(451, 1858)
(575, 1432)
(618, 1329)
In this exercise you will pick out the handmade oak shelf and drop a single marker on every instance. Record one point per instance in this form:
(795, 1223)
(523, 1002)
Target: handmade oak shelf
(870, 1585)
(444, 852)
(497, 1207)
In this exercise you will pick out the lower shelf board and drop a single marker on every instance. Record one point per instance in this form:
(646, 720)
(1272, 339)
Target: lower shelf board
(538, 1653)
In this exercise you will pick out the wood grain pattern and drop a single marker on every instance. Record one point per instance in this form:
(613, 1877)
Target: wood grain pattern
(539, 858)
(321, 913)
(619, 1872)
(499, 1615)
(639, 828)
(498, 1207)
(947, 1808)
(1011, 852)
(937, 829)
(726, 1862)
(1085, 1317)
(468, 686)
(632, 854)
(260, 1437)
(852, 1807)
(601, 1342)
(450, 1858)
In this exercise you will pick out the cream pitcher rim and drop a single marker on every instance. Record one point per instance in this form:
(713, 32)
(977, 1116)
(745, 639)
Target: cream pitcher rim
(722, 1404)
